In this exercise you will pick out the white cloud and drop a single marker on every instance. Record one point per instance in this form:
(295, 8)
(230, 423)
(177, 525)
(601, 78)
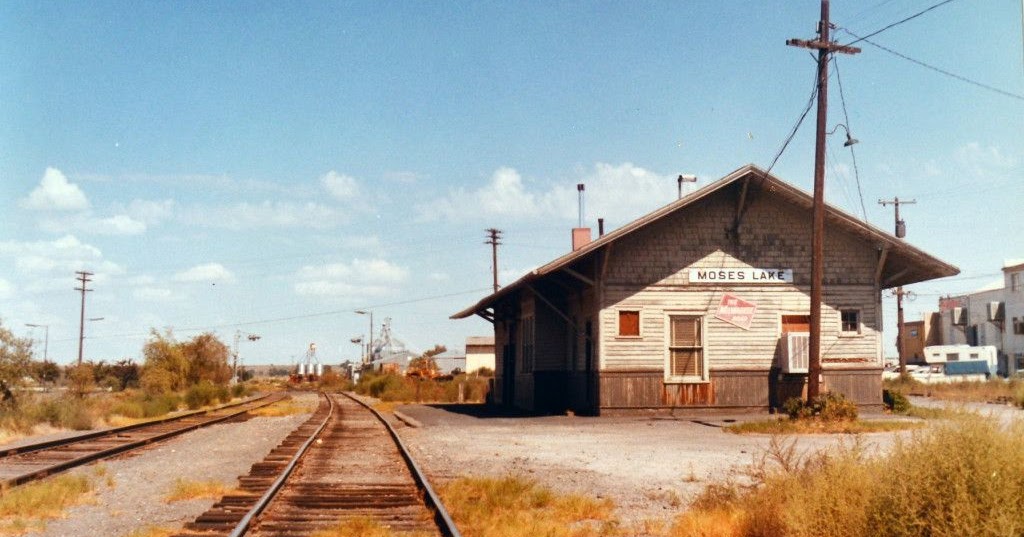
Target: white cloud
(64, 255)
(84, 223)
(153, 294)
(150, 212)
(342, 187)
(6, 289)
(616, 192)
(505, 195)
(360, 277)
(247, 216)
(55, 192)
(119, 225)
(206, 273)
(983, 160)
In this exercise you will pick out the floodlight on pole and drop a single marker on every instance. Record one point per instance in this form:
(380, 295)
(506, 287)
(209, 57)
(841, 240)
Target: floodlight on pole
(369, 342)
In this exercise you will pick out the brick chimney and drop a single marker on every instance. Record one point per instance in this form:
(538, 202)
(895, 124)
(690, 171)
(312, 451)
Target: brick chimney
(580, 237)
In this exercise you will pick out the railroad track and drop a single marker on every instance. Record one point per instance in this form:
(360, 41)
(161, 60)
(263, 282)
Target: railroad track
(344, 463)
(22, 464)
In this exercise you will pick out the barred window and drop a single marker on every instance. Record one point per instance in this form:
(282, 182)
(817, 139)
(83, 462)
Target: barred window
(686, 349)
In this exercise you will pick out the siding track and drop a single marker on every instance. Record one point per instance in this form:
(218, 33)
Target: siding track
(30, 462)
(344, 463)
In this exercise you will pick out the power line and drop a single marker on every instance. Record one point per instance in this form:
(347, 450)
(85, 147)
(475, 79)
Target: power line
(897, 23)
(853, 154)
(299, 317)
(940, 70)
(796, 127)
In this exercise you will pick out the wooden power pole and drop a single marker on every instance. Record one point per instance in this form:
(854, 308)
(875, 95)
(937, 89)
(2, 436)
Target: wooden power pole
(901, 231)
(825, 48)
(493, 238)
(82, 277)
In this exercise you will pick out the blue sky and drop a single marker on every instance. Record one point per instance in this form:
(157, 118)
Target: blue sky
(271, 167)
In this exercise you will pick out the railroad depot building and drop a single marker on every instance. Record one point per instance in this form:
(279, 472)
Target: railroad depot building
(703, 303)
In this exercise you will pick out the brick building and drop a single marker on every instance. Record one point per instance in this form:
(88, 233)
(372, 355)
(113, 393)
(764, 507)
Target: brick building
(702, 303)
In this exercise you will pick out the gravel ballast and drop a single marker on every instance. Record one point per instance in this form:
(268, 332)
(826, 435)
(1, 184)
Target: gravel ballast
(138, 482)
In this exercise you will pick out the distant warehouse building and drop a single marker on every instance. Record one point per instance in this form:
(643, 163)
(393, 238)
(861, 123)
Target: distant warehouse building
(703, 303)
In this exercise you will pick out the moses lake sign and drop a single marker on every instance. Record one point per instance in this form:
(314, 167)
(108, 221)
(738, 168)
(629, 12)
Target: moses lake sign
(742, 275)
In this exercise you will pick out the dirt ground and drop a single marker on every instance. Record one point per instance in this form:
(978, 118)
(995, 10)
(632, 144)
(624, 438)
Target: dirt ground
(650, 467)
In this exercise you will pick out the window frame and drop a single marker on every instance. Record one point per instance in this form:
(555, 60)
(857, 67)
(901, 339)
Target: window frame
(639, 323)
(843, 332)
(704, 376)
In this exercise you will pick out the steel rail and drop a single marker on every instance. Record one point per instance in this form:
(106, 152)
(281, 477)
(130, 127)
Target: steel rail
(102, 454)
(243, 525)
(29, 448)
(441, 517)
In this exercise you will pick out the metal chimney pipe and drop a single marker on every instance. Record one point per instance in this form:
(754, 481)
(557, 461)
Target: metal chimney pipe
(600, 227)
(579, 189)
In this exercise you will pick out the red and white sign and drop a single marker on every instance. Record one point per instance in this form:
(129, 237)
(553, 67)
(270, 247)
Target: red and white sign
(735, 310)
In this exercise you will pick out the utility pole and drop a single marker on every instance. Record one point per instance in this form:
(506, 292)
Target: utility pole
(901, 231)
(84, 278)
(825, 47)
(493, 238)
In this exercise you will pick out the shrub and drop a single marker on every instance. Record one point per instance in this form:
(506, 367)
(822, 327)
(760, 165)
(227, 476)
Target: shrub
(202, 394)
(895, 400)
(65, 413)
(829, 406)
(156, 380)
(159, 405)
(81, 379)
(240, 390)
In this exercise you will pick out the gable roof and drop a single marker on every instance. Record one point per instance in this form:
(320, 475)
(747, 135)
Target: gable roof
(925, 266)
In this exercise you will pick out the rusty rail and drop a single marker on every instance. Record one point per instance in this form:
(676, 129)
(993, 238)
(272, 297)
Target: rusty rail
(433, 501)
(247, 520)
(340, 465)
(42, 453)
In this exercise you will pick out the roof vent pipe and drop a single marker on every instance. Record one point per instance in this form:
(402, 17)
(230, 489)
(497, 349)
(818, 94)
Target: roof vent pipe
(600, 227)
(685, 178)
(579, 189)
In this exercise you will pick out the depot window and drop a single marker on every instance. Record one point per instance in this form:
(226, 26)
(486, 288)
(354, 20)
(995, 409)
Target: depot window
(629, 323)
(850, 321)
(685, 360)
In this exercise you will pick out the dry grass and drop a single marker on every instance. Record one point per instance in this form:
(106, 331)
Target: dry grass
(515, 507)
(186, 489)
(962, 477)
(29, 506)
(365, 527)
(995, 390)
(152, 531)
(788, 426)
(286, 407)
(387, 406)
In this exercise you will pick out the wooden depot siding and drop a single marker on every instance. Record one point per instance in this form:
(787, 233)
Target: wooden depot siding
(650, 273)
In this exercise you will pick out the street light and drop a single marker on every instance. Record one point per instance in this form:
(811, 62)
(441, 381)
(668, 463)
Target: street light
(369, 342)
(46, 344)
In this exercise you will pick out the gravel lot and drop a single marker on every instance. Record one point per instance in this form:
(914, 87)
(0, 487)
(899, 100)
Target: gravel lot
(650, 467)
(139, 481)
